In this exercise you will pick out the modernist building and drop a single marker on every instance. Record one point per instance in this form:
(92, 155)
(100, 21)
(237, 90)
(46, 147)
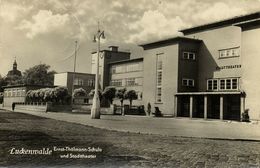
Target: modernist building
(81, 80)
(127, 74)
(118, 70)
(210, 72)
(106, 57)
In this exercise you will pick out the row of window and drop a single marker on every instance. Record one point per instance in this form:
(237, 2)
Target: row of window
(231, 52)
(80, 82)
(222, 84)
(127, 68)
(223, 53)
(15, 93)
(159, 71)
(127, 82)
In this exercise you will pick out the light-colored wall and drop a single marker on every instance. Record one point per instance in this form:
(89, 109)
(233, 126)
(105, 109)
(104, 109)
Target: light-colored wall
(251, 73)
(60, 79)
(213, 41)
(169, 77)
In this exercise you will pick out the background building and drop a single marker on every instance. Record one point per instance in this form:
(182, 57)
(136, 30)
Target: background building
(106, 57)
(17, 93)
(81, 80)
(127, 74)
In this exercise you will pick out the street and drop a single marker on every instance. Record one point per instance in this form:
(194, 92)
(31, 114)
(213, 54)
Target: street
(108, 148)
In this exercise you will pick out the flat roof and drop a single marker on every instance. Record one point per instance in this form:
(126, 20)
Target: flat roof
(81, 73)
(25, 85)
(168, 41)
(126, 61)
(208, 93)
(249, 24)
(221, 23)
(93, 52)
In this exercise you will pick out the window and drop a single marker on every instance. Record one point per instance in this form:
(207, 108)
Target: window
(222, 84)
(23, 93)
(18, 92)
(212, 84)
(132, 67)
(228, 84)
(159, 70)
(78, 81)
(130, 82)
(188, 82)
(230, 52)
(91, 82)
(234, 84)
(116, 82)
(189, 55)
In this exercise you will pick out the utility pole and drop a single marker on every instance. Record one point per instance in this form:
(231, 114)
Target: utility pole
(74, 70)
(95, 110)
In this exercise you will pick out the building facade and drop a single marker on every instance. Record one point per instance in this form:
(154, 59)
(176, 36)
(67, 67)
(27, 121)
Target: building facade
(17, 93)
(127, 74)
(210, 72)
(106, 57)
(74, 81)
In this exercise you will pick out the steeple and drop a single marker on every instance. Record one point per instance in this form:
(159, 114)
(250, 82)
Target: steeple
(15, 65)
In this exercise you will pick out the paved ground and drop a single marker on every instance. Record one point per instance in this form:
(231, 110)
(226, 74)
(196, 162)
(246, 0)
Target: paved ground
(119, 149)
(164, 126)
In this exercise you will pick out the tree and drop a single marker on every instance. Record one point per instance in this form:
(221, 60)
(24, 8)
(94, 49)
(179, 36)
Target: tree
(39, 75)
(2, 83)
(13, 80)
(58, 95)
(80, 92)
(131, 95)
(109, 93)
(120, 94)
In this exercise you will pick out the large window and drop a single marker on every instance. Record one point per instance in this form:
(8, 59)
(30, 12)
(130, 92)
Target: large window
(222, 84)
(212, 84)
(159, 72)
(230, 52)
(130, 67)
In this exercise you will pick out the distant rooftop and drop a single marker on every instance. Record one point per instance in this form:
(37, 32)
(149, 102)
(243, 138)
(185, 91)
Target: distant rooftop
(222, 23)
(127, 61)
(167, 42)
(81, 73)
(111, 49)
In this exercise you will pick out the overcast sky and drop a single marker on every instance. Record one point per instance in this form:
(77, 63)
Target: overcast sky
(44, 31)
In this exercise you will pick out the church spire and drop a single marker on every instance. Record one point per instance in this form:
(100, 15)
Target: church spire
(15, 64)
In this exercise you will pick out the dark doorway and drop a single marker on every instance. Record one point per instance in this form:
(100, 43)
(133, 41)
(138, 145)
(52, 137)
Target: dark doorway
(183, 106)
(198, 107)
(231, 109)
(213, 107)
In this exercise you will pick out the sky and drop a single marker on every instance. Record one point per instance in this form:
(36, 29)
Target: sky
(45, 31)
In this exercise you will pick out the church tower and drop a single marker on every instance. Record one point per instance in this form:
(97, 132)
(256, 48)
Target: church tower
(14, 71)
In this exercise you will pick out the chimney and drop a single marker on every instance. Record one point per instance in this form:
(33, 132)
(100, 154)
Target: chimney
(113, 48)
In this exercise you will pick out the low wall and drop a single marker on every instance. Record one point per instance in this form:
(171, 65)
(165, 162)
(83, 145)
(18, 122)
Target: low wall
(43, 107)
(32, 107)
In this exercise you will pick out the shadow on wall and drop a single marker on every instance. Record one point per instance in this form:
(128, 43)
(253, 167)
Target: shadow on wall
(206, 67)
